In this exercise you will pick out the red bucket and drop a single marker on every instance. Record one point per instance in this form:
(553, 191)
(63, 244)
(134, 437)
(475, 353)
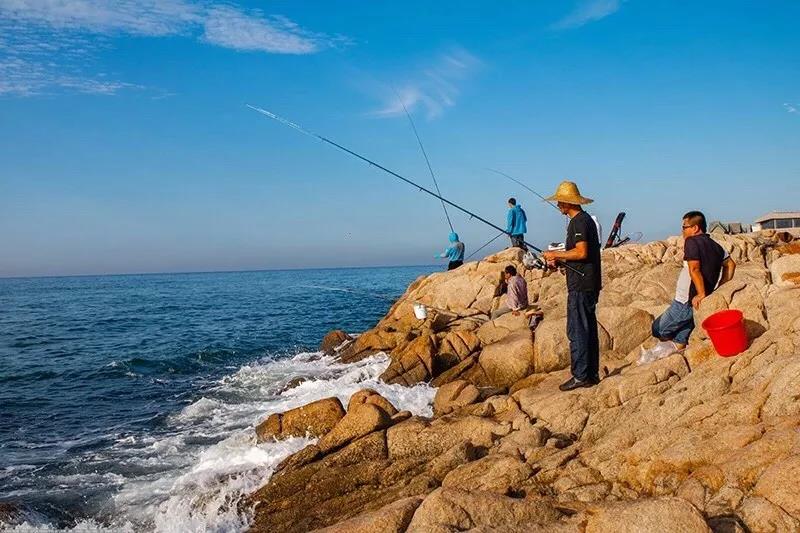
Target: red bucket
(726, 329)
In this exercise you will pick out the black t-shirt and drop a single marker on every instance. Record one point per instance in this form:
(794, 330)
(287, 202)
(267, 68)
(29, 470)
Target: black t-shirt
(583, 229)
(711, 256)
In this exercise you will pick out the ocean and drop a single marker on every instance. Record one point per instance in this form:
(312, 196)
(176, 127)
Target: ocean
(127, 403)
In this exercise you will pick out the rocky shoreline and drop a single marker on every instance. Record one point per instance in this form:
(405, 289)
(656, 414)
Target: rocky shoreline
(692, 442)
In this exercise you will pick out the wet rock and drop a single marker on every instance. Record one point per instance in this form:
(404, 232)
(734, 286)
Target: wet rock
(333, 340)
(371, 396)
(315, 419)
(371, 343)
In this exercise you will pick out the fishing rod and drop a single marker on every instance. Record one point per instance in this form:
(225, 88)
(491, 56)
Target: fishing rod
(425, 155)
(304, 131)
(525, 186)
(387, 298)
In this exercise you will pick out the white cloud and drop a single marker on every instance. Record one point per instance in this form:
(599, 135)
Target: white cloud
(23, 78)
(232, 28)
(588, 11)
(138, 17)
(791, 108)
(46, 45)
(432, 88)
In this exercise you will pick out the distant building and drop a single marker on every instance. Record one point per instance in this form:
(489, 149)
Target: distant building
(728, 228)
(788, 221)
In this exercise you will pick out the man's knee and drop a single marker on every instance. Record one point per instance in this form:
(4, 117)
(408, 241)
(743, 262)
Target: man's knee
(655, 328)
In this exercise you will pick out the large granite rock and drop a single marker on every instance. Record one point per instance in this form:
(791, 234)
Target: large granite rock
(692, 442)
(314, 419)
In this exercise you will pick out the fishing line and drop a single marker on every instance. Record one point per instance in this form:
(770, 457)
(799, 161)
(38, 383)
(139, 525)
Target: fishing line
(304, 131)
(351, 291)
(425, 155)
(525, 186)
(390, 299)
(485, 245)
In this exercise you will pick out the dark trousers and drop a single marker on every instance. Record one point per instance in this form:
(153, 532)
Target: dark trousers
(584, 345)
(518, 241)
(454, 264)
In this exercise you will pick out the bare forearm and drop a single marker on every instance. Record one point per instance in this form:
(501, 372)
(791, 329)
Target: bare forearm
(728, 269)
(699, 284)
(576, 254)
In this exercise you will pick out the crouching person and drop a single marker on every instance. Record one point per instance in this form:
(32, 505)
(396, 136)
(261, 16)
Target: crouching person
(706, 266)
(517, 293)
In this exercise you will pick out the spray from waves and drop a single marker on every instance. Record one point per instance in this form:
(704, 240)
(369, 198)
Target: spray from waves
(194, 475)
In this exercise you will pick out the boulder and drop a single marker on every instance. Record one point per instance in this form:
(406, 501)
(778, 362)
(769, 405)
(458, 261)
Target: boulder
(459, 510)
(455, 347)
(413, 363)
(500, 473)
(371, 396)
(454, 395)
(333, 340)
(314, 419)
(785, 270)
(627, 327)
(665, 515)
(509, 359)
(362, 420)
(371, 342)
(551, 346)
(780, 484)
(762, 516)
(494, 330)
(392, 518)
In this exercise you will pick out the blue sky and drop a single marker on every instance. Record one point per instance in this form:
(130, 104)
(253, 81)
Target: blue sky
(126, 146)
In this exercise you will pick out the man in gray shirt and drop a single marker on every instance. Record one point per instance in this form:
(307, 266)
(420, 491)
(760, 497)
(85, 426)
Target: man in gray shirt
(517, 293)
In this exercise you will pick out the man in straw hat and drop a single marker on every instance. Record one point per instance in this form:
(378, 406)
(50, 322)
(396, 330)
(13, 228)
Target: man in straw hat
(582, 255)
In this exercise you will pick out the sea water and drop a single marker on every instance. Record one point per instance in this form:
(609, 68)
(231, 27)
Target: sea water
(129, 402)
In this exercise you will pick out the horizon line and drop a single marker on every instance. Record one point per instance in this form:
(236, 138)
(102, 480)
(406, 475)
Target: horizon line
(193, 272)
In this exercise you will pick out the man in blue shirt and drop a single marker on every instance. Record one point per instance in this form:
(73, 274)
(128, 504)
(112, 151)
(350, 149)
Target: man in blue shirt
(515, 224)
(454, 252)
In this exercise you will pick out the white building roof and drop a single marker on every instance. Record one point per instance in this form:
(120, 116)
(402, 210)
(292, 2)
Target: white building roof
(778, 215)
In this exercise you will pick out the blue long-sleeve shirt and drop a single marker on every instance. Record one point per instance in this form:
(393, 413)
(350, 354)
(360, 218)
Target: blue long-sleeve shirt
(515, 221)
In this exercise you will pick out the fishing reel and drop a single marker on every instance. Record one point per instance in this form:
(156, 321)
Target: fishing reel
(531, 261)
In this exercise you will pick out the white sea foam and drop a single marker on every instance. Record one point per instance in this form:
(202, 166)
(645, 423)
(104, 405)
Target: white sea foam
(194, 476)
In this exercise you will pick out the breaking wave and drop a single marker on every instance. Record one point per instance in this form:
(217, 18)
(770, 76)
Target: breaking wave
(193, 474)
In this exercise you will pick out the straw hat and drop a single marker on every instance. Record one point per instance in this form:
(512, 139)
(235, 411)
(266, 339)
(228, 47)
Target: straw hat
(568, 193)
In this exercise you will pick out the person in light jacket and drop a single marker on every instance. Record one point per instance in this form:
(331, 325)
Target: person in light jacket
(454, 252)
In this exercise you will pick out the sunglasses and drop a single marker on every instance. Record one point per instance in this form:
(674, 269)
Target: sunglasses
(689, 226)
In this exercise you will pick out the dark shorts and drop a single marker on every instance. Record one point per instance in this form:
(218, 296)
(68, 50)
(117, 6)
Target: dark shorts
(518, 241)
(454, 264)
